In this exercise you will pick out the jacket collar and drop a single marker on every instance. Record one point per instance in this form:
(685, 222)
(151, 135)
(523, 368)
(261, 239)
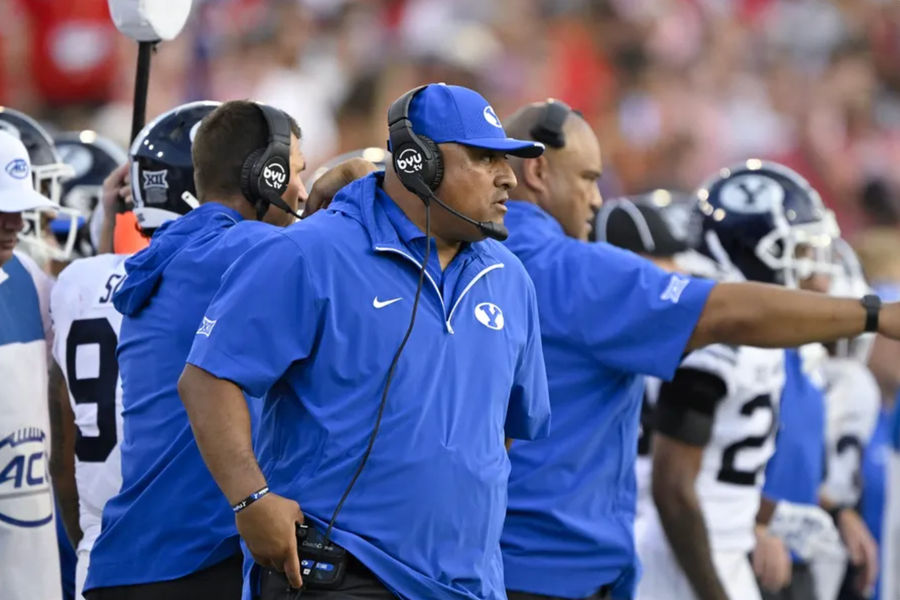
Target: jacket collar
(365, 201)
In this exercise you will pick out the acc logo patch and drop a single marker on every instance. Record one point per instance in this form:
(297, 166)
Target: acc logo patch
(751, 194)
(409, 161)
(17, 168)
(25, 499)
(489, 315)
(491, 117)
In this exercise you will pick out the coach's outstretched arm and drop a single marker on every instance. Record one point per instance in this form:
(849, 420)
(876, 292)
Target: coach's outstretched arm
(221, 424)
(771, 316)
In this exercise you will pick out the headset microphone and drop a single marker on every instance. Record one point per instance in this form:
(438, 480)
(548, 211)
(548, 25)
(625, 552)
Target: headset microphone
(495, 231)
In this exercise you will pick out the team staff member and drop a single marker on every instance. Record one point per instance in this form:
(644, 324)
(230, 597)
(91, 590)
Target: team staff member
(29, 559)
(606, 317)
(168, 533)
(425, 515)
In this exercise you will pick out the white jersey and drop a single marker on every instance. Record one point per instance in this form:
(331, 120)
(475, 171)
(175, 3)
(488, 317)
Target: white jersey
(731, 474)
(852, 405)
(86, 326)
(743, 439)
(29, 554)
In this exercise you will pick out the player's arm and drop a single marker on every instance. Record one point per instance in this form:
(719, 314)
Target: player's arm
(770, 316)
(227, 359)
(220, 421)
(116, 191)
(860, 545)
(684, 419)
(62, 453)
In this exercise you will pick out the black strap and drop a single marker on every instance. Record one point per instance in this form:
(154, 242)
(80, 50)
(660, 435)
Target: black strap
(872, 304)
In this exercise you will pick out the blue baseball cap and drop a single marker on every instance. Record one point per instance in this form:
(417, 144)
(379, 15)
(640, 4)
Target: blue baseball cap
(452, 113)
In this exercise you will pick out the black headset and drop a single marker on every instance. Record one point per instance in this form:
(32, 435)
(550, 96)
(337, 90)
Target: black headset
(266, 171)
(418, 162)
(549, 127)
(417, 159)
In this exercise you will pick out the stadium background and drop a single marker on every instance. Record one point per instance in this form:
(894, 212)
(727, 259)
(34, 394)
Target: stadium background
(674, 88)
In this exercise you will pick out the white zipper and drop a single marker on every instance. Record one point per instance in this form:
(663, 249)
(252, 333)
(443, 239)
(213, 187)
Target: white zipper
(449, 317)
(481, 274)
(427, 274)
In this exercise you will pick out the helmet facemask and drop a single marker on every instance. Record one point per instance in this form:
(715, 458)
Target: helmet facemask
(797, 252)
(36, 237)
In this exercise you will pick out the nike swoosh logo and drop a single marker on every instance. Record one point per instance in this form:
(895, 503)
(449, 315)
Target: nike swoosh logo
(379, 304)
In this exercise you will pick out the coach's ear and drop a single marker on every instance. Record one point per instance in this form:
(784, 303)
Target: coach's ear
(326, 186)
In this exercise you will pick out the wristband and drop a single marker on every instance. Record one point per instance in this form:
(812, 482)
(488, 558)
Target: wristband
(872, 304)
(250, 499)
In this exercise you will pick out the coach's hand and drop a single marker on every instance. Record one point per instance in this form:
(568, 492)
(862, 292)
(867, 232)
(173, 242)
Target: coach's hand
(326, 186)
(268, 526)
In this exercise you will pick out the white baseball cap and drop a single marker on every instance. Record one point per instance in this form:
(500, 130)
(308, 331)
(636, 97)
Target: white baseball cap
(17, 192)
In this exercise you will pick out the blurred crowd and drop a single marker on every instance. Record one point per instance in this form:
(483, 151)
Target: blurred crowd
(674, 88)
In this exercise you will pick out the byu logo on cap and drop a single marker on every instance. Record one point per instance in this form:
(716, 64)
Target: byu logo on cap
(489, 315)
(275, 176)
(156, 179)
(17, 168)
(410, 161)
(491, 117)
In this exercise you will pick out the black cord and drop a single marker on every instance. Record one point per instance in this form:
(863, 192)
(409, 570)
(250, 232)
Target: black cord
(390, 374)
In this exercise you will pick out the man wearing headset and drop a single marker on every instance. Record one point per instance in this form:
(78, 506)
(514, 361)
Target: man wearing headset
(606, 318)
(425, 499)
(168, 533)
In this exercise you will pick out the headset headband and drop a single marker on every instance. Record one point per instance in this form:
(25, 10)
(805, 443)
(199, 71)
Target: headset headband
(548, 128)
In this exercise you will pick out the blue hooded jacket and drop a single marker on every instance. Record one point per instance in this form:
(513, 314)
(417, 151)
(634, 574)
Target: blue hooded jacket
(169, 519)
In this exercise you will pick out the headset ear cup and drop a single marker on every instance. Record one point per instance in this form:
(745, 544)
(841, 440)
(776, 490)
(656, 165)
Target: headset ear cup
(434, 171)
(249, 176)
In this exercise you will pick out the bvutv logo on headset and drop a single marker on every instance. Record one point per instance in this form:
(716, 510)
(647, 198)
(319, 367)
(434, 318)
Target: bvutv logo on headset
(410, 161)
(274, 176)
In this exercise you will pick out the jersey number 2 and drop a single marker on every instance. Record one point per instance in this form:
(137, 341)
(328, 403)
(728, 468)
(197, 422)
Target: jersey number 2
(731, 474)
(99, 389)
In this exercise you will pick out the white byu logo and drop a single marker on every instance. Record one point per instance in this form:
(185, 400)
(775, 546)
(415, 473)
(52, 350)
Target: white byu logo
(489, 315)
(491, 117)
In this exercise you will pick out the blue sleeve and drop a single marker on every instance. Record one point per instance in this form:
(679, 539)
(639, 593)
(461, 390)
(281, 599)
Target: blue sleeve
(528, 415)
(895, 427)
(261, 320)
(628, 314)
